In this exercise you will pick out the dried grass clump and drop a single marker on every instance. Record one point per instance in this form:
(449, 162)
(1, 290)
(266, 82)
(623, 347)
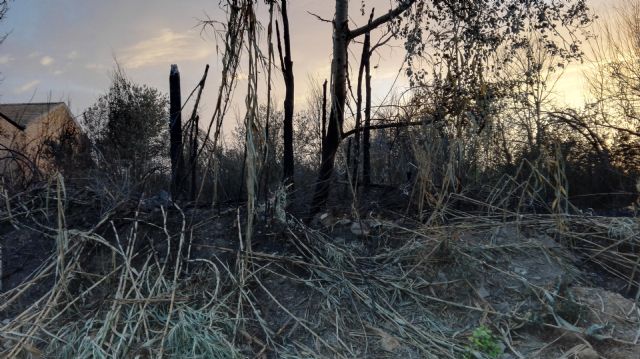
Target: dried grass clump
(405, 289)
(143, 304)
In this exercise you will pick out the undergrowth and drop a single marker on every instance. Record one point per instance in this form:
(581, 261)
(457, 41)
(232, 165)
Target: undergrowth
(118, 289)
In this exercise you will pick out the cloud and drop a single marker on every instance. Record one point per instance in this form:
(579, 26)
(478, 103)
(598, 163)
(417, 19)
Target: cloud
(166, 48)
(58, 72)
(94, 66)
(5, 59)
(46, 61)
(26, 87)
(72, 55)
(33, 55)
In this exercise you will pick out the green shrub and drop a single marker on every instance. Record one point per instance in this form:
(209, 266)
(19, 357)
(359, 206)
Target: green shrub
(483, 341)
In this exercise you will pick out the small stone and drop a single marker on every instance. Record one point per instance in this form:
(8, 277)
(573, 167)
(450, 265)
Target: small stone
(582, 351)
(326, 219)
(588, 353)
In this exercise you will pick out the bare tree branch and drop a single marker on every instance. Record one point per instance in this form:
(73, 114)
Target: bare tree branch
(318, 17)
(404, 5)
(386, 125)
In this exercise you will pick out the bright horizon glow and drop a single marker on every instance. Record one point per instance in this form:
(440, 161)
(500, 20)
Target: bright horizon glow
(65, 51)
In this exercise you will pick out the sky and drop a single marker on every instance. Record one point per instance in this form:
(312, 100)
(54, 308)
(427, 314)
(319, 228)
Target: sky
(64, 50)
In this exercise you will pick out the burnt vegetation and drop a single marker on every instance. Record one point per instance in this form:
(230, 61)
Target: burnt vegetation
(472, 215)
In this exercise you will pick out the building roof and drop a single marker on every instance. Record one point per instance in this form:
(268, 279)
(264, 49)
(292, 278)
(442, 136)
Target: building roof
(22, 114)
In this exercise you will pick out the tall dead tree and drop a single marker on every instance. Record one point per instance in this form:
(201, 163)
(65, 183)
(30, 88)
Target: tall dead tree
(487, 27)
(264, 176)
(364, 62)
(194, 122)
(287, 71)
(342, 36)
(324, 115)
(175, 130)
(338, 98)
(366, 136)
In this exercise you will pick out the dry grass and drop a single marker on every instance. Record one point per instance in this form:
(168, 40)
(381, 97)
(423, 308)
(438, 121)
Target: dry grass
(407, 290)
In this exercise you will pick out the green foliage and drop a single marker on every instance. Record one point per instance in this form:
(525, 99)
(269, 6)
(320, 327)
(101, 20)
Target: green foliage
(4, 8)
(129, 126)
(483, 341)
(470, 33)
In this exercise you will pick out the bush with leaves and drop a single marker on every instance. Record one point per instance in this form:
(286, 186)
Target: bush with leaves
(4, 8)
(128, 127)
(484, 343)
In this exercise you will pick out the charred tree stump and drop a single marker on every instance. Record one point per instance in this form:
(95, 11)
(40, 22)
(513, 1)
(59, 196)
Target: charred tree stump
(175, 131)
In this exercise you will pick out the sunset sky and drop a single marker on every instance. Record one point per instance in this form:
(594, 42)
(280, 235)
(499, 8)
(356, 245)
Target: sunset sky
(63, 50)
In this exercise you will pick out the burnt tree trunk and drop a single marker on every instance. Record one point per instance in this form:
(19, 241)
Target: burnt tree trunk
(324, 115)
(193, 159)
(366, 136)
(195, 120)
(265, 175)
(287, 72)
(175, 131)
(364, 60)
(341, 38)
(338, 99)
(356, 140)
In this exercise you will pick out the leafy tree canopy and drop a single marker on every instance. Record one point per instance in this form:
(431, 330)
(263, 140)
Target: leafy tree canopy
(129, 124)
